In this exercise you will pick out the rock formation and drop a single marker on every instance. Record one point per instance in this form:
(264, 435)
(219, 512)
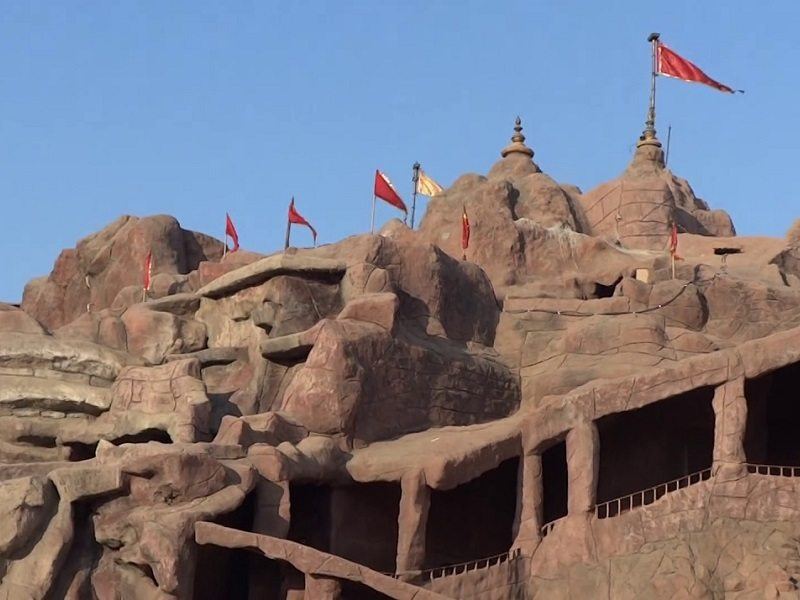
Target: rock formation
(638, 208)
(555, 417)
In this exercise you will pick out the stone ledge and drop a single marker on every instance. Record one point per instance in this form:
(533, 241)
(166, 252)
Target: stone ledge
(267, 268)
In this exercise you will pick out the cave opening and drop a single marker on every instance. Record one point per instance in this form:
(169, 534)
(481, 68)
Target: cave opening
(474, 520)
(655, 444)
(554, 482)
(352, 590)
(310, 515)
(364, 525)
(357, 522)
(146, 435)
(773, 416)
(605, 291)
(229, 572)
(79, 451)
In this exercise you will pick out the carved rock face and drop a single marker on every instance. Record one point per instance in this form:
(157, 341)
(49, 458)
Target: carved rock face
(370, 388)
(638, 208)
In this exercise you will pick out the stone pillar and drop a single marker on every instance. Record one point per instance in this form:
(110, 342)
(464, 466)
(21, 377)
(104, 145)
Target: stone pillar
(730, 411)
(583, 462)
(415, 500)
(528, 520)
(322, 588)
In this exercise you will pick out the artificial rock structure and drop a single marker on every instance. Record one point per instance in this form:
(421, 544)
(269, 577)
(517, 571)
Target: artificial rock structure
(555, 417)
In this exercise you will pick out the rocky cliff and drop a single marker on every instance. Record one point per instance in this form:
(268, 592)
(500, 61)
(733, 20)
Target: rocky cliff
(561, 415)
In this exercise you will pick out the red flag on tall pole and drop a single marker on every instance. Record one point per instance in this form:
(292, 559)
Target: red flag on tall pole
(465, 231)
(673, 247)
(147, 280)
(671, 64)
(673, 239)
(385, 191)
(230, 231)
(296, 218)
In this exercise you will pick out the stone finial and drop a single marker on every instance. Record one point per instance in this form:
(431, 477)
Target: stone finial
(517, 142)
(648, 139)
(648, 159)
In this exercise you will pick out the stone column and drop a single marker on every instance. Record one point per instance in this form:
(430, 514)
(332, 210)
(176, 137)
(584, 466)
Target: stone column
(412, 520)
(322, 588)
(583, 462)
(730, 411)
(528, 520)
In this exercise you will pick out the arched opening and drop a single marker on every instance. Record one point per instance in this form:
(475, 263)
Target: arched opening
(655, 444)
(773, 418)
(473, 520)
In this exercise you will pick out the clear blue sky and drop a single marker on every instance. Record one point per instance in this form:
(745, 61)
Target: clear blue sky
(197, 108)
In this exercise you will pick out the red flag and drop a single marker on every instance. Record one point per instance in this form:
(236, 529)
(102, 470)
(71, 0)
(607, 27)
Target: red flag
(673, 242)
(148, 271)
(672, 65)
(296, 218)
(230, 230)
(385, 191)
(465, 230)
(673, 239)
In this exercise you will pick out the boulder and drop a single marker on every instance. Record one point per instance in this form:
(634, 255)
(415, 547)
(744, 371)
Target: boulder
(102, 264)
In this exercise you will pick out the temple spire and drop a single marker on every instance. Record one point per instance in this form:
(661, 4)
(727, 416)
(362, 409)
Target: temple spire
(517, 144)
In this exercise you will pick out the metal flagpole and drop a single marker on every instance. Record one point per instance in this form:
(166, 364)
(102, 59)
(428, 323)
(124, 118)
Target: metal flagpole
(669, 137)
(225, 238)
(414, 179)
(372, 222)
(650, 123)
(288, 232)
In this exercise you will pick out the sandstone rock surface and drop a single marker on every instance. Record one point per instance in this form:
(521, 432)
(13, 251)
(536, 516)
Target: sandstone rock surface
(557, 414)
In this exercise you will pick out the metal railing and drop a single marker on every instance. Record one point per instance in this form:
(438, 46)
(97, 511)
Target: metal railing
(612, 508)
(773, 470)
(548, 527)
(474, 565)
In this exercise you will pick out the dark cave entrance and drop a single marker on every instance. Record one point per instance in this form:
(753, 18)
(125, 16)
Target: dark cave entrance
(773, 418)
(554, 482)
(352, 590)
(655, 444)
(310, 515)
(225, 572)
(237, 574)
(364, 525)
(357, 522)
(474, 520)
